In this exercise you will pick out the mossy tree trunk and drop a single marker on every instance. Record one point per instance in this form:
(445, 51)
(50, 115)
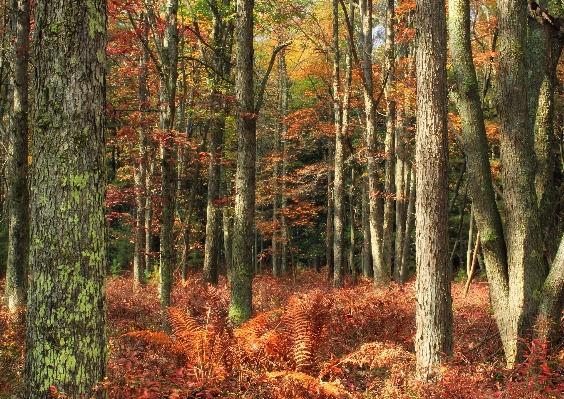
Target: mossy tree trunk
(240, 307)
(66, 318)
(434, 336)
(17, 160)
(169, 59)
(513, 257)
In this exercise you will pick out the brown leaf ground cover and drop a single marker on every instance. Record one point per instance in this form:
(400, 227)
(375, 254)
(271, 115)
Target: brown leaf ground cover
(307, 340)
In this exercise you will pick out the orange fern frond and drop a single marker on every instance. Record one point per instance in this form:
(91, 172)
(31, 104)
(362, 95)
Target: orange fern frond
(375, 355)
(158, 339)
(306, 320)
(292, 384)
(182, 324)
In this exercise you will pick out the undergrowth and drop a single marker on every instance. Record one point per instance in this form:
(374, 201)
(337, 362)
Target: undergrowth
(306, 340)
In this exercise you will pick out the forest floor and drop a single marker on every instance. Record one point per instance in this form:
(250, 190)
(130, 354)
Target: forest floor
(307, 340)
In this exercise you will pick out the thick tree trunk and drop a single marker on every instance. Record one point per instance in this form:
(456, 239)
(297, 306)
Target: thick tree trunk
(66, 316)
(240, 307)
(17, 161)
(433, 339)
(524, 244)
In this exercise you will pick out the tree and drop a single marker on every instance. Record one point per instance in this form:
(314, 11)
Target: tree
(434, 304)
(169, 75)
(17, 161)
(521, 286)
(240, 307)
(140, 173)
(223, 43)
(381, 270)
(66, 317)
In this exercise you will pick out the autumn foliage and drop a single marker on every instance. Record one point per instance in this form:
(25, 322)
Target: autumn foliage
(307, 340)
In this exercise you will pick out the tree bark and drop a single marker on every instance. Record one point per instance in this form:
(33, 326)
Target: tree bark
(66, 317)
(381, 270)
(240, 307)
(17, 161)
(222, 40)
(433, 338)
(389, 141)
(140, 174)
(168, 104)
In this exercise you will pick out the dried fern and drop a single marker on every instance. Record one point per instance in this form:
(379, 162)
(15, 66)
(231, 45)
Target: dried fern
(375, 355)
(263, 342)
(204, 348)
(306, 320)
(292, 384)
(159, 339)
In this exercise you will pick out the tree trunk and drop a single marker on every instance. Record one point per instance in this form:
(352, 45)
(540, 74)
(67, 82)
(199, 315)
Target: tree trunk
(212, 211)
(222, 39)
(409, 226)
(367, 270)
(240, 307)
(66, 316)
(341, 112)
(140, 174)
(433, 339)
(389, 141)
(17, 161)
(168, 93)
(351, 229)
(381, 270)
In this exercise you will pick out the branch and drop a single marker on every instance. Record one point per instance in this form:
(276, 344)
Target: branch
(145, 44)
(260, 99)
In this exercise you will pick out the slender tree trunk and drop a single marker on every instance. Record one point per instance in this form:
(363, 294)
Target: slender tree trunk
(433, 338)
(410, 226)
(330, 208)
(17, 161)
(240, 308)
(140, 174)
(352, 228)
(381, 270)
(222, 39)
(189, 210)
(168, 90)
(66, 341)
(389, 142)
(341, 130)
(367, 270)
(212, 211)
(401, 204)
(149, 213)
(285, 238)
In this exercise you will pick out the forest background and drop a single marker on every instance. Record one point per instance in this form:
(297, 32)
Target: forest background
(335, 165)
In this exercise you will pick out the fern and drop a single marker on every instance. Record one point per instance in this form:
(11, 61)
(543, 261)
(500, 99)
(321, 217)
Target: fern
(204, 348)
(306, 320)
(298, 385)
(375, 355)
(160, 340)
